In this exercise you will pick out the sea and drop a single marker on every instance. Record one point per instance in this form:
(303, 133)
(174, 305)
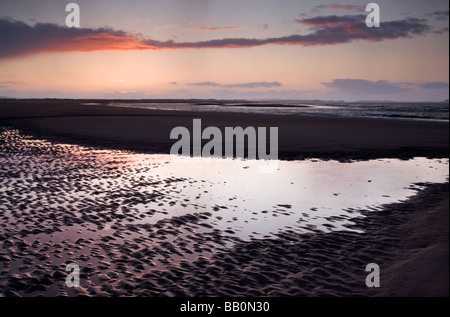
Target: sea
(434, 111)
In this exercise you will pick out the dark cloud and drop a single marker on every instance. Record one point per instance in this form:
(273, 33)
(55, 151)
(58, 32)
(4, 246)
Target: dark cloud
(239, 85)
(439, 15)
(435, 85)
(255, 85)
(335, 29)
(326, 30)
(18, 38)
(365, 87)
(205, 84)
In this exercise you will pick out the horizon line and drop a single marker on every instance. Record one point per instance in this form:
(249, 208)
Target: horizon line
(222, 99)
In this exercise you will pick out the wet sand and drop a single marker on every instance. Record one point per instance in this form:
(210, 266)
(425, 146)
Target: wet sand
(409, 240)
(421, 268)
(299, 136)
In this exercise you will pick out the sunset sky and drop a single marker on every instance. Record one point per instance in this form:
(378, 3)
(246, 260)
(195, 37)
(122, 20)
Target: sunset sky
(254, 49)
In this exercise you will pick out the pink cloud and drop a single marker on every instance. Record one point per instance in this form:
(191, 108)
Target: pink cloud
(18, 38)
(167, 27)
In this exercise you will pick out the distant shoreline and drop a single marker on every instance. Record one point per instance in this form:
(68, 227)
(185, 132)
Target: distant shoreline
(420, 111)
(436, 111)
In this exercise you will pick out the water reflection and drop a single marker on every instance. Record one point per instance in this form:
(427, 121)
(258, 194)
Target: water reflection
(237, 198)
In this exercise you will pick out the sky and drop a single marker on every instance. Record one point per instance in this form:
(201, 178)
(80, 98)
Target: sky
(227, 49)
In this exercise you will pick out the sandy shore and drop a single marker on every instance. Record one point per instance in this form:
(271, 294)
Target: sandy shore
(408, 240)
(420, 267)
(299, 136)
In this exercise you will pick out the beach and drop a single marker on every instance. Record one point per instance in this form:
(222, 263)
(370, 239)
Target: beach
(299, 137)
(407, 239)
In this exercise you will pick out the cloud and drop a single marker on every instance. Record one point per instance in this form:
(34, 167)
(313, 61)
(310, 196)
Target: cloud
(263, 84)
(205, 84)
(167, 27)
(255, 85)
(18, 38)
(213, 29)
(441, 31)
(365, 87)
(347, 7)
(327, 30)
(343, 29)
(435, 85)
(9, 83)
(439, 15)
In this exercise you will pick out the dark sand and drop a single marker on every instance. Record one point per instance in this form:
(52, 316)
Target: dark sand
(408, 240)
(299, 136)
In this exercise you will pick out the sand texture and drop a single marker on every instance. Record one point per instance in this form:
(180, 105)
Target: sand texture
(59, 211)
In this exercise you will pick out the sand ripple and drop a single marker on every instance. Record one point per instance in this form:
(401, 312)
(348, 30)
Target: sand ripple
(135, 231)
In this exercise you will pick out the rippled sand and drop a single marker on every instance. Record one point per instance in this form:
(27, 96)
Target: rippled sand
(142, 225)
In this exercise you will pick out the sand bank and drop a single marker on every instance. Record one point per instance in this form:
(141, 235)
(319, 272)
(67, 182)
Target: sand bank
(299, 136)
